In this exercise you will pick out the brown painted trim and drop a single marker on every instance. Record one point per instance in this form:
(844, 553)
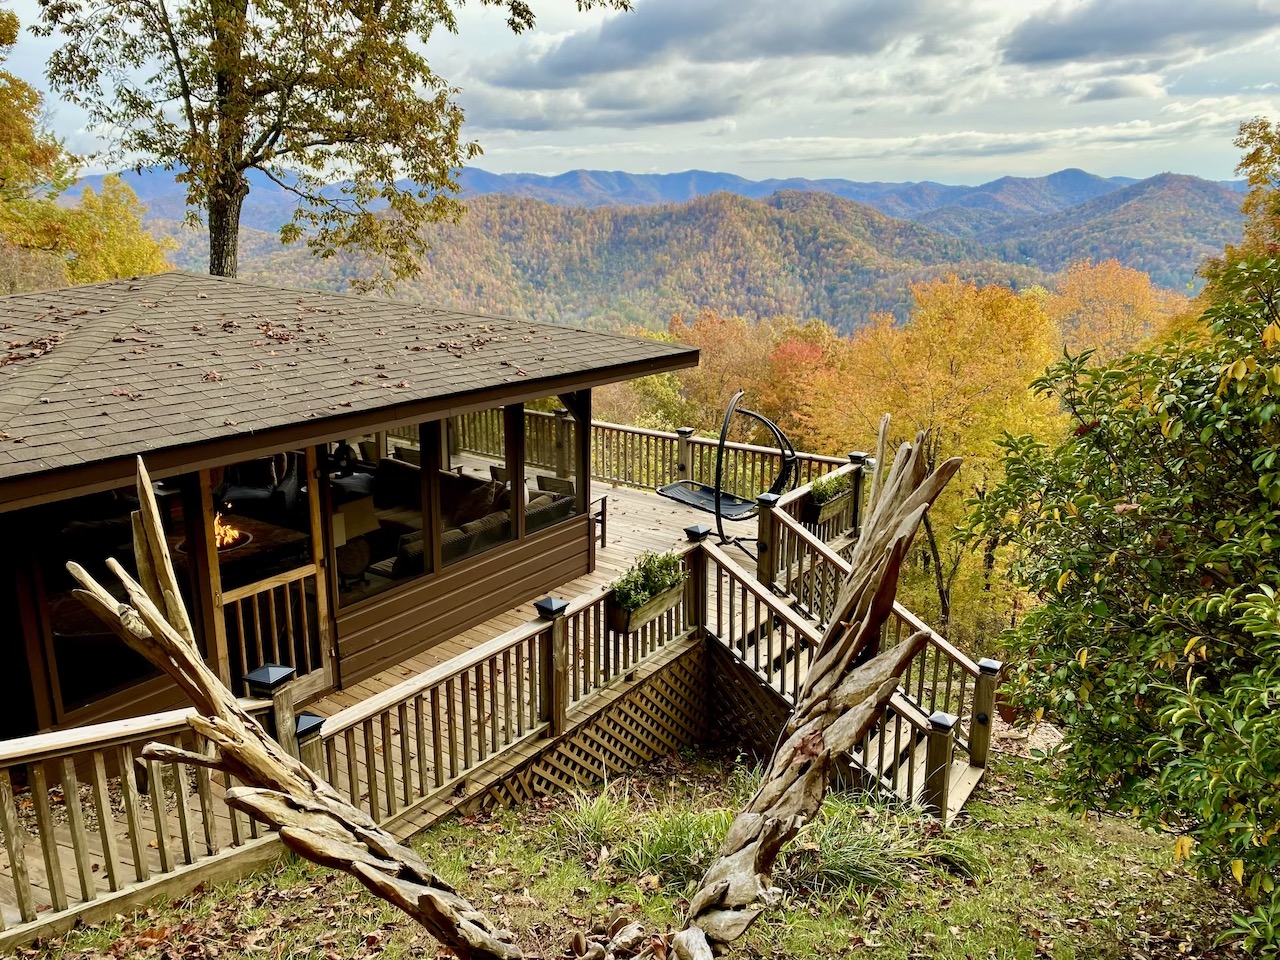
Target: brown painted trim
(31, 638)
(208, 578)
(324, 568)
(31, 489)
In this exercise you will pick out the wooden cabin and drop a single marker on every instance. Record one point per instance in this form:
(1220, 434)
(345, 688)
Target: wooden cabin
(345, 480)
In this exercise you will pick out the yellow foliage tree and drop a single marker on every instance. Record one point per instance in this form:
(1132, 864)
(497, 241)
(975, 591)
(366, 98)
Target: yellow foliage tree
(1110, 309)
(44, 243)
(960, 367)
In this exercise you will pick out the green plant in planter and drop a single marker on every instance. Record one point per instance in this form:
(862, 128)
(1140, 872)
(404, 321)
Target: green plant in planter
(827, 488)
(650, 575)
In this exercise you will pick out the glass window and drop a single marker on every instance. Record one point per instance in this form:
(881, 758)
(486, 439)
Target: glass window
(89, 659)
(551, 458)
(262, 522)
(375, 491)
(477, 485)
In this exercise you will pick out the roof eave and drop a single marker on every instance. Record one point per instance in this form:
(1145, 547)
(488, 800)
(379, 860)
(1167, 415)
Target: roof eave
(38, 487)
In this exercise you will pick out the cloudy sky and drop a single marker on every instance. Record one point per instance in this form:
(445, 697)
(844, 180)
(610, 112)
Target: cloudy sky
(959, 91)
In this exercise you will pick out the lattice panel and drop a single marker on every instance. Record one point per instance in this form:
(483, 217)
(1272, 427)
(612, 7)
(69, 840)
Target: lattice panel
(749, 713)
(663, 713)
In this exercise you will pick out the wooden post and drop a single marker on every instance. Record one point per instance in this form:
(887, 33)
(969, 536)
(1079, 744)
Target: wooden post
(324, 570)
(684, 453)
(205, 557)
(937, 764)
(859, 461)
(272, 680)
(554, 670)
(306, 731)
(695, 588)
(767, 559)
(984, 702)
(564, 443)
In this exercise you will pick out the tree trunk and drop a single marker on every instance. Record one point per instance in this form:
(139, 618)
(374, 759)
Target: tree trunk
(226, 198)
(944, 590)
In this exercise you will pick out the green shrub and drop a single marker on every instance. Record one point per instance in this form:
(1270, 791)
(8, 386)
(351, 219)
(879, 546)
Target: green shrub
(829, 486)
(592, 822)
(650, 575)
(676, 844)
(856, 842)
(1152, 536)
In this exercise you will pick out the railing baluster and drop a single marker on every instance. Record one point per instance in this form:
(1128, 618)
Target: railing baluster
(436, 758)
(159, 814)
(420, 730)
(353, 766)
(371, 770)
(388, 762)
(132, 813)
(48, 842)
(14, 834)
(75, 820)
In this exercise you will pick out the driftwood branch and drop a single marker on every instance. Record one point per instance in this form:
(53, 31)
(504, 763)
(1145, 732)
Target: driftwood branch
(848, 683)
(313, 819)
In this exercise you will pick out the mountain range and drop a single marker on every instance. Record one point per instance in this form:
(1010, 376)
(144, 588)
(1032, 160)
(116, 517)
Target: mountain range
(608, 247)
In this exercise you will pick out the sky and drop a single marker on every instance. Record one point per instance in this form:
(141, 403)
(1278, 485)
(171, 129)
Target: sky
(957, 91)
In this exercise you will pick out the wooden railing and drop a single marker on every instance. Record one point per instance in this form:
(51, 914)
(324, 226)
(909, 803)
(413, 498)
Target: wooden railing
(633, 456)
(940, 677)
(637, 457)
(769, 637)
(275, 620)
(418, 741)
(762, 632)
(84, 815)
(395, 750)
(390, 751)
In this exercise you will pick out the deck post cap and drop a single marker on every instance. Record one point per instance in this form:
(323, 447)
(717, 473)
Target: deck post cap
(943, 722)
(551, 607)
(859, 457)
(684, 431)
(307, 724)
(768, 500)
(697, 532)
(989, 667)
(267, 678)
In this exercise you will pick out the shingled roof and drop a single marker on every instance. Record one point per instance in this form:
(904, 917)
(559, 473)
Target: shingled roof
(131, 367)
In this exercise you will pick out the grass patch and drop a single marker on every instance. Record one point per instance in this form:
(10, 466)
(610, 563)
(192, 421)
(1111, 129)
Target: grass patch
(1012, 879)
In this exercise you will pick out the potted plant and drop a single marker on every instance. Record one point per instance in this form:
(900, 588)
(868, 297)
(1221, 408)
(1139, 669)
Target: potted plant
(827, 496)
(651, 587)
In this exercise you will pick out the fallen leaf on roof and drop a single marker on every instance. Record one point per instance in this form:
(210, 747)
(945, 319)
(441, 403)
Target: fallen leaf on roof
(212, 376)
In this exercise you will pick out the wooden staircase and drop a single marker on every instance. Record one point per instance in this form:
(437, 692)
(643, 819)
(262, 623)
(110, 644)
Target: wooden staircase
(929, 745)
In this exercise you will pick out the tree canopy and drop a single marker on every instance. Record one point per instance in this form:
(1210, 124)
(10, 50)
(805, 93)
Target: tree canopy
(305, 91)
(1151, 533)
(45, 243)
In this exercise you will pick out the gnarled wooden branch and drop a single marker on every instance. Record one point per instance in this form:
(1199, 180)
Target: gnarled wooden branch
(848, 683)
(313, 819)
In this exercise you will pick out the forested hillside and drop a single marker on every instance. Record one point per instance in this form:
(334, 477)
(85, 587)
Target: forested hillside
(1165, 226)
(794, 254)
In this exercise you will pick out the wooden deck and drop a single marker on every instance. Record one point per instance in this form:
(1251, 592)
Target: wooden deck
(638, 521)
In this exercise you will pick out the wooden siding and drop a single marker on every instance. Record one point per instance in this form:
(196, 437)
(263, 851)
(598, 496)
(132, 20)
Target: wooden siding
(385, 630)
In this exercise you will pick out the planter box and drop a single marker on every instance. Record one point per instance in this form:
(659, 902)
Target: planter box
(813, 513)
(629, 621)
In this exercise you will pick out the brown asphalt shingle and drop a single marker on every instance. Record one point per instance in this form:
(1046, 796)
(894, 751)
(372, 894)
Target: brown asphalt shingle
(134, 366)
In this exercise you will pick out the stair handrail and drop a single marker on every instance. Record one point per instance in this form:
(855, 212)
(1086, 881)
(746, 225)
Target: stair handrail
(937, 640)
(764, 595)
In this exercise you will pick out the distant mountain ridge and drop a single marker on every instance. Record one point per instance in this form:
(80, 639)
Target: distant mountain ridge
(609, 248)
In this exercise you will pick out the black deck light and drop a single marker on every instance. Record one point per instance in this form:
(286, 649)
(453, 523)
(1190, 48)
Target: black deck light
(307, 726)
(263, 681)
(697, 532)
(550, 607)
